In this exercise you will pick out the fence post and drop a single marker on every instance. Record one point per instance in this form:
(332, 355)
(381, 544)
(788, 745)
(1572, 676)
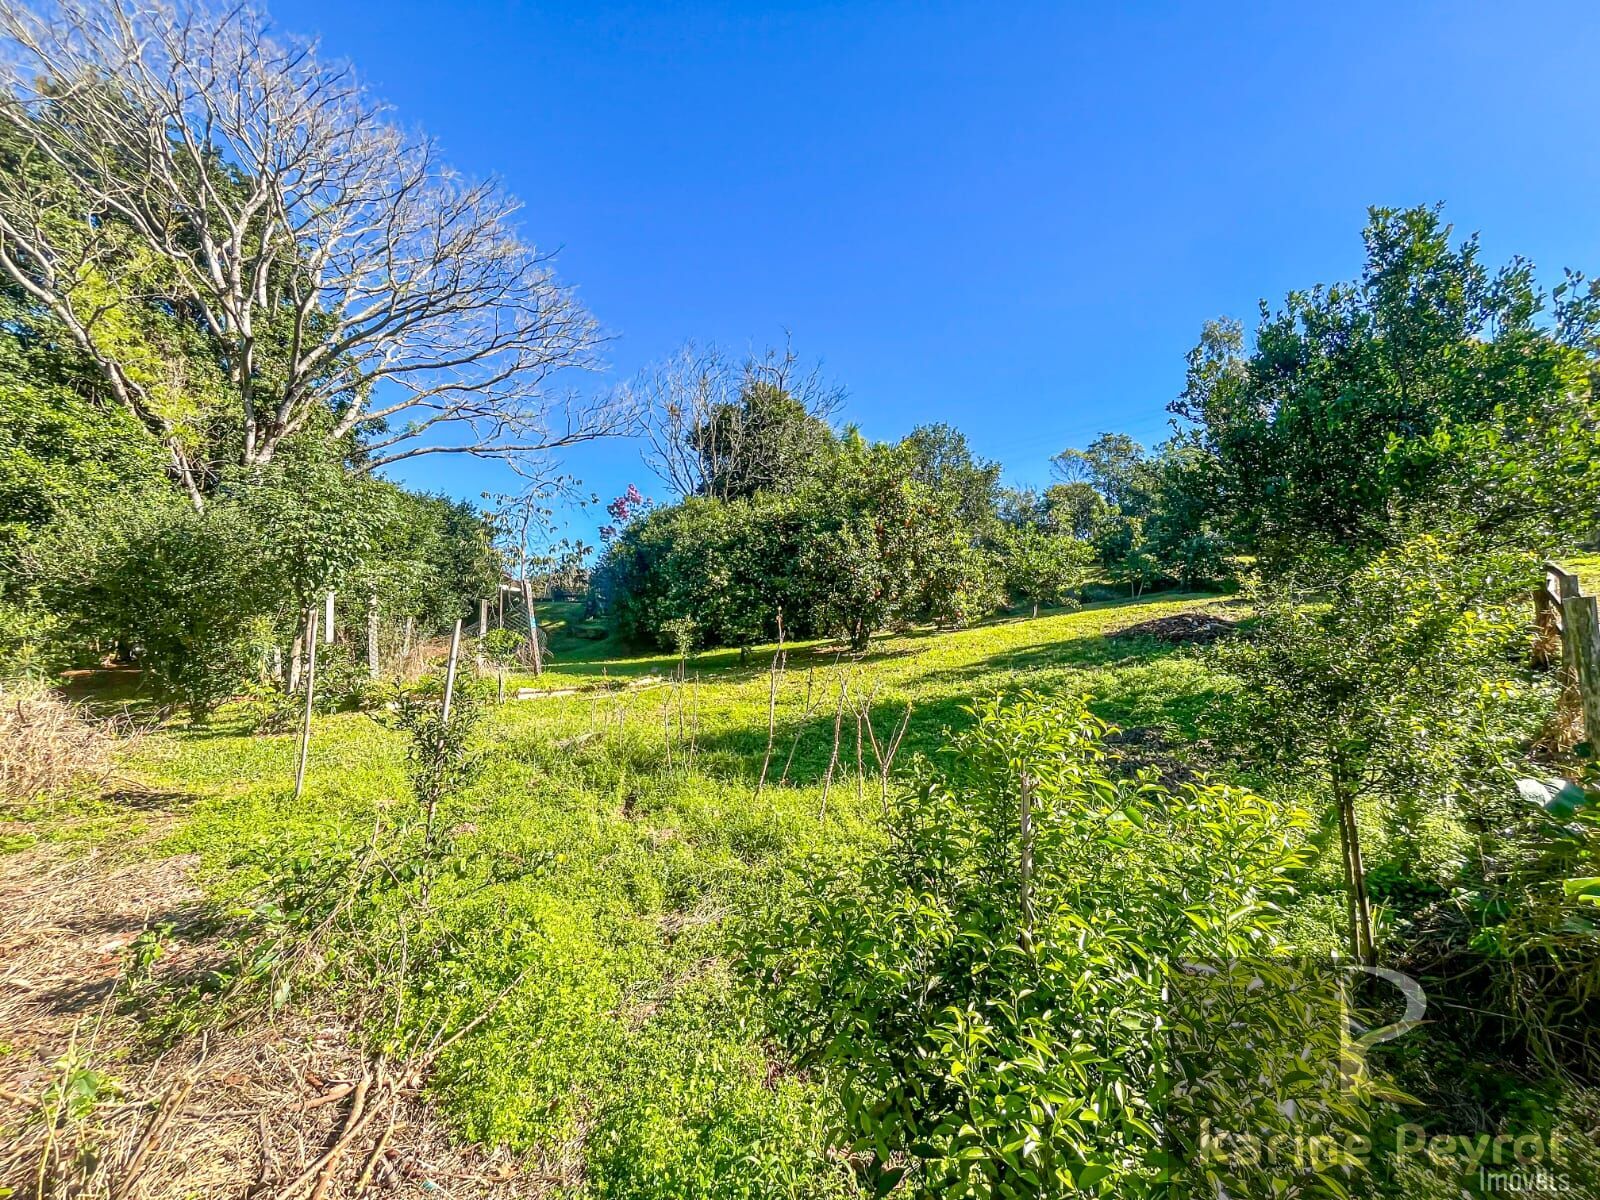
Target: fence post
(1557, 586)
(1580, 635)
(327, 621)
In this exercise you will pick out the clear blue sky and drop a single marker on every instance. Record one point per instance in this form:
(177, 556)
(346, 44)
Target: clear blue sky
(1013, 218)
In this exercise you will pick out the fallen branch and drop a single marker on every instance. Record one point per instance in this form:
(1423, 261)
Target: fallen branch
(337, 1092)
(322, 1169)
(152, 1133)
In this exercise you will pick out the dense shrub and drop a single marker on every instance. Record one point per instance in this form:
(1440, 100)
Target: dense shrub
(178, 589)
(863, 545)
(986, 1001)
(1044, 567)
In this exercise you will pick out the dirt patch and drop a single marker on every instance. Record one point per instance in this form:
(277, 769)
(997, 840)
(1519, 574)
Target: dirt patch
(1148, 748)
(258, 1108)
(1192, 628)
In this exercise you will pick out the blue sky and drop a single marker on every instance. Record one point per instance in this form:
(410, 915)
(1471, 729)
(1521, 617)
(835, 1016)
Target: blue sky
(1014, 218)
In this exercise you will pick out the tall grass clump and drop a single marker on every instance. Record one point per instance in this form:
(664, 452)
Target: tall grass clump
(48, 746)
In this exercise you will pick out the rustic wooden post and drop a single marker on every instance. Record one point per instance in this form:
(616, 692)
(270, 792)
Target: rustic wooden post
(1558, 585)
(311, 691)
(1580, 625)
(483, 616)
(327, 621)
(1544, 623)
(372, 634)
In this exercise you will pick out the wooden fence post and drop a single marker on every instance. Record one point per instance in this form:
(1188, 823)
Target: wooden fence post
(1558, 585)
(327, 621)
(1580, 626)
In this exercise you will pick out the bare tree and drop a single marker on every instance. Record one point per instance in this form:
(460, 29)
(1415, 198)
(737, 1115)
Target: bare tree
(702, 435)
(349, 279)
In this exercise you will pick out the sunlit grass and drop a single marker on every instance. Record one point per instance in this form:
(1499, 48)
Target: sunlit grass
(610, 834)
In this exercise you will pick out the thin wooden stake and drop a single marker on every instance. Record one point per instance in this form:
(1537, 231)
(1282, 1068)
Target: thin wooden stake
(450, 672)
(1026, 857)
(833, 761)
(311, 691)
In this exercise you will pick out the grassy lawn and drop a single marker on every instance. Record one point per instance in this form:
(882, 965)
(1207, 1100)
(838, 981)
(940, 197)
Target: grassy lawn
(1587, 568)
(594, 867)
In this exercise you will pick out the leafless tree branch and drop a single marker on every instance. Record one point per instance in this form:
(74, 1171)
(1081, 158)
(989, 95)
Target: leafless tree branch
(339, 264)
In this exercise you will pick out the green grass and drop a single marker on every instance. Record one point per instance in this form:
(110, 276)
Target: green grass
(1587, 568)
(595, 864)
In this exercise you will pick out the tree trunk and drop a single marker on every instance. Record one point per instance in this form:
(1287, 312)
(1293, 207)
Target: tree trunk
(860, 635)
(1358, 906)
(327, 620)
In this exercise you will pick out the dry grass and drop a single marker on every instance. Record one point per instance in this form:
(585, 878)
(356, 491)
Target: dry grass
(284, 1106)
(48, 745)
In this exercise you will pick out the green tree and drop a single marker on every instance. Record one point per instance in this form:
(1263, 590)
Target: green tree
(1109, 465)
(1075, 508)
(766, 441)
(1043, 567)
(881, 547)
(1398, 697)
(942, 460)
(1330, 416)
